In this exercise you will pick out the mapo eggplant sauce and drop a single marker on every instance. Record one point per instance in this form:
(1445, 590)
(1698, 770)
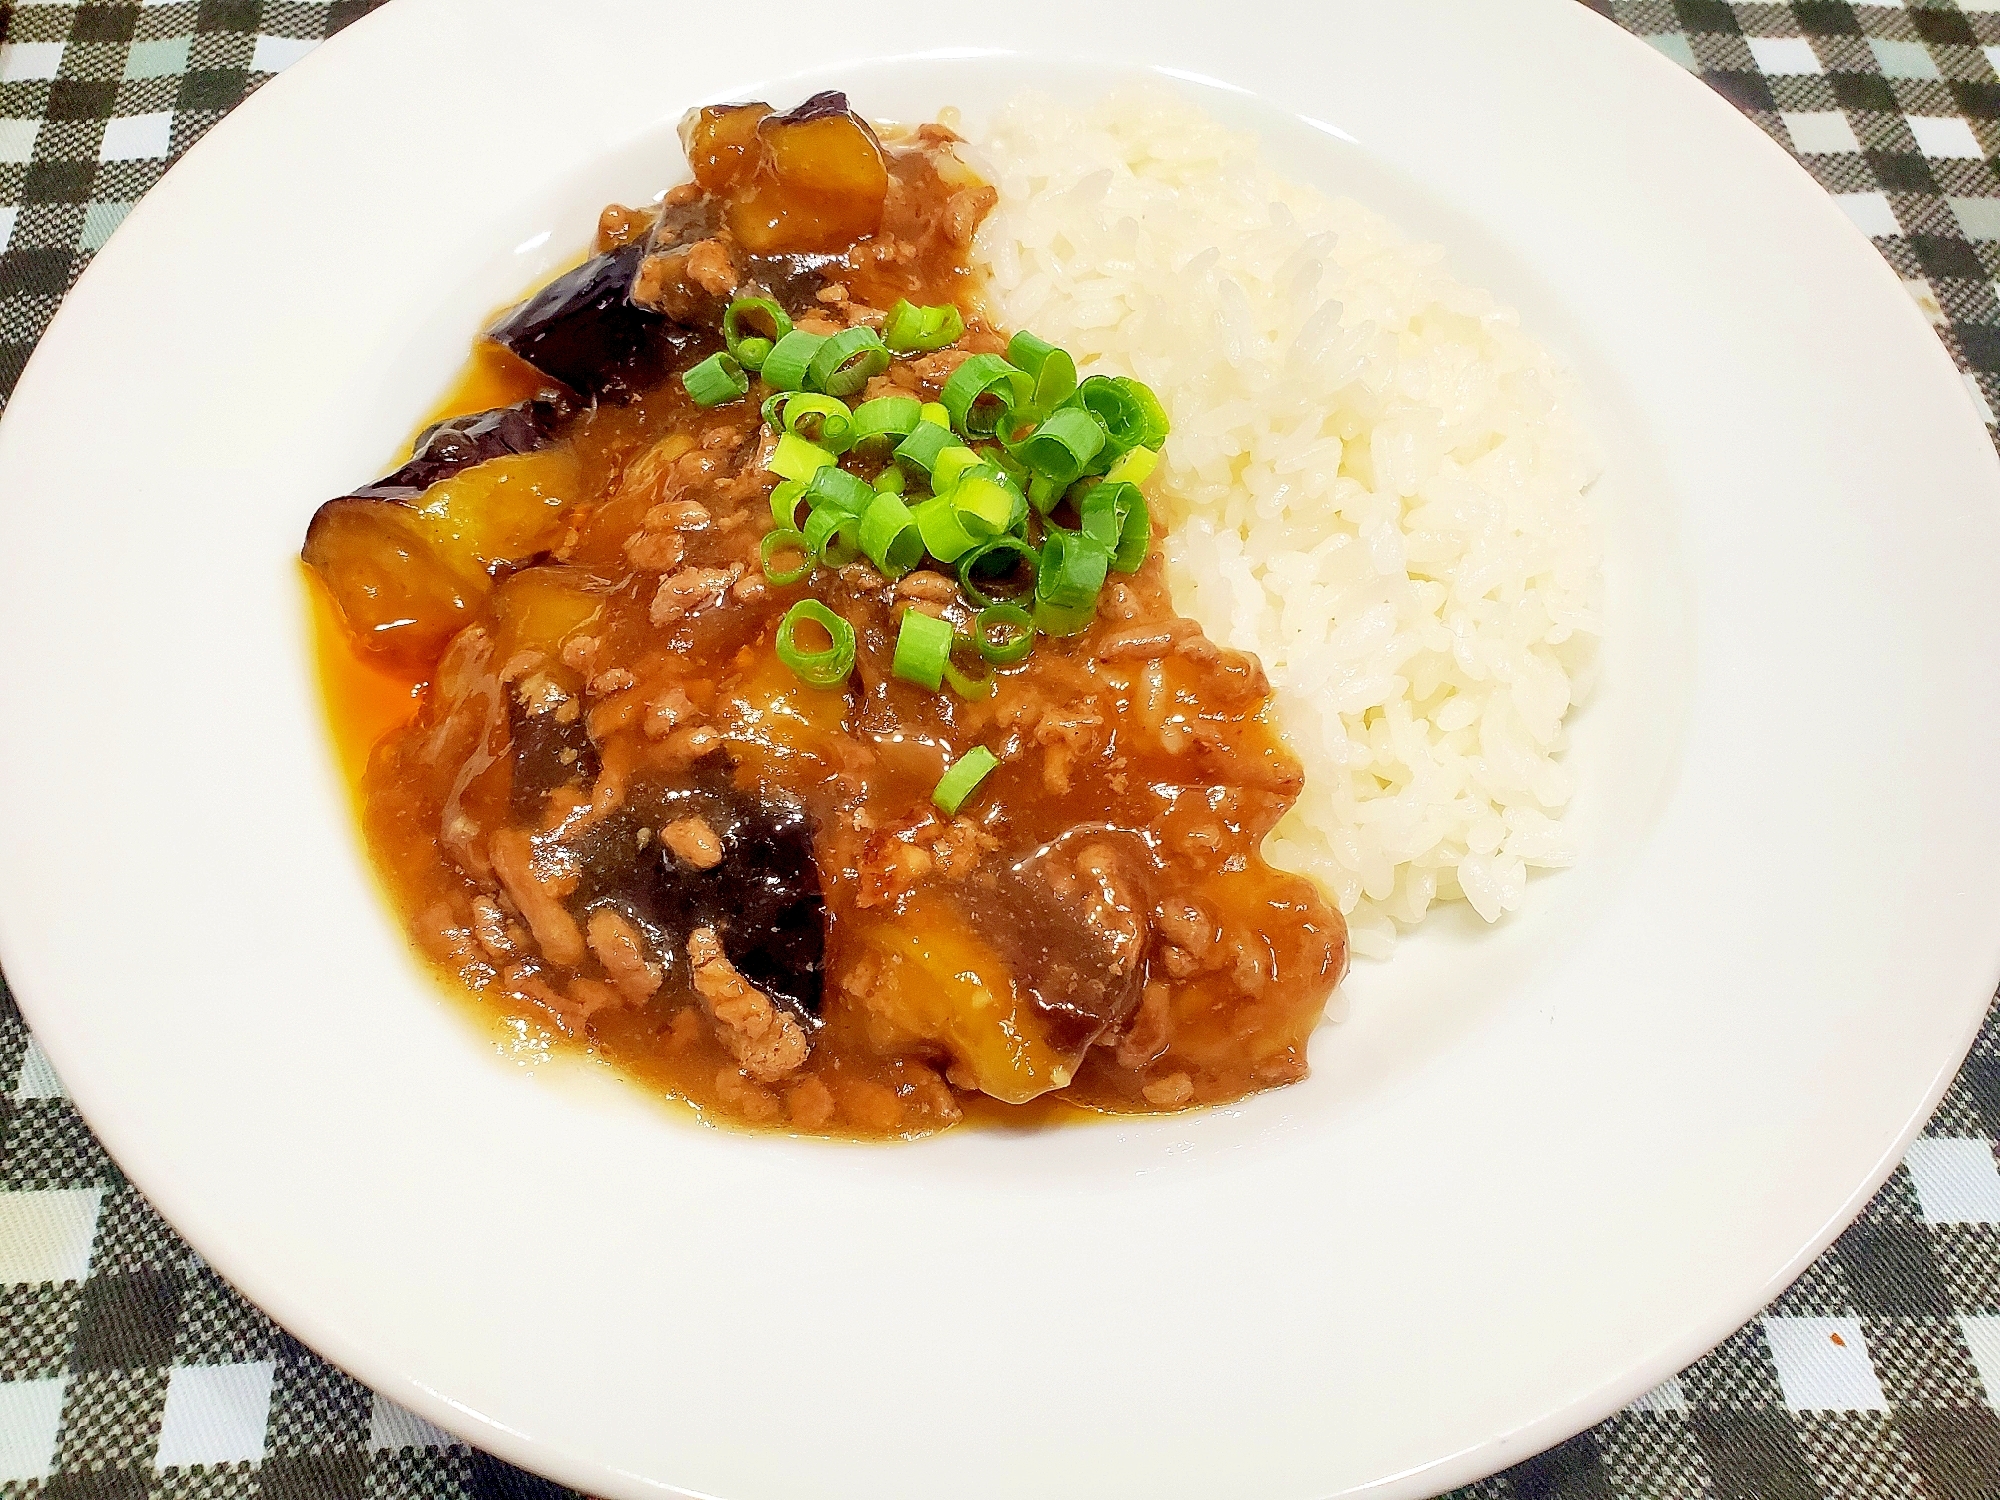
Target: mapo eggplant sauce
(853, 826)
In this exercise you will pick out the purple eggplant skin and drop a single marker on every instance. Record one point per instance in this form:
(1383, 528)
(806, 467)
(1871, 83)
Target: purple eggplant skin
(584, 329)
(818, 107)
(459, 443)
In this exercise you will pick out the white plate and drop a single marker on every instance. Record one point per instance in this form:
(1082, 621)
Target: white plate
(1541, 1166)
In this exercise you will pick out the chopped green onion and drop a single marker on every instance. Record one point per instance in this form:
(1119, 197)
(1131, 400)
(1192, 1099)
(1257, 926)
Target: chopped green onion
(777, 541)
(1116, 518)
(889, 536)
(1072, 570)
(1009, 550)
(1133, 466)
(823, 525)
(1063, 446)
(945, 538)
(923, 647)
(970, 688)
(1004, 633)
(1060, 619)
(796, 458)
(836, 489)
(1102, 515)
(891, 481)
(951, 462)
(934, 412)
(785, 366)
(1027, 352)
(1044, 493)
(981, 391)
(818, 419)
(1131, 415)
(847, 361)
(769, 324)
(785, 504)
(1053, 371)
(911, 328)
(964, 776)
(820, 669)
(834, 534)
(1135, 536)
(985, 504)
(717, 379)
(893, 417)
(920, 449)
(1018, 474)
(845, 545)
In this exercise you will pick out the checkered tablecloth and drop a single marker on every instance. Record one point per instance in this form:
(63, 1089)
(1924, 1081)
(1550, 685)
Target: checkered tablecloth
(129, 1369)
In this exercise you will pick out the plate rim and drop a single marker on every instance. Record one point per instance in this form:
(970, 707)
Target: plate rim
(1462, 1467)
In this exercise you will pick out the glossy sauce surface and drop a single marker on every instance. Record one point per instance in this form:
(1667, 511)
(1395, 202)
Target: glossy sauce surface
(1094, 928)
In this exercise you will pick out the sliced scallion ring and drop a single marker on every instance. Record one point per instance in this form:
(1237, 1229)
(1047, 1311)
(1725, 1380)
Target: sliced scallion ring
(836, 489)
(891, 417)
(785, 366)
(717, 379)
(844, 546)
(752, 321)
(1135, 535)
(778, 541)
(984, 501)
(785, 504)
(919, 451)
(923, 649)
(945, 538)
(822, 526)
(821, 669)
(912, 329)
(1129, 412)
(1062, 446)
(1072, 570)
(999, 557)
(1133, 466)
(816, 418)
(1101, 509)
(847, 361)
(963, 778)
(981, 391)
(1044, 493)
(795, 458)
(1003, 633)
(972, 689)
(1059, 619)
(951, 462)
(889, 536)
(1052, 370)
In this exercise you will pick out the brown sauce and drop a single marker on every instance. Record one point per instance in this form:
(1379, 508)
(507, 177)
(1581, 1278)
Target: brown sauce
(550, 765)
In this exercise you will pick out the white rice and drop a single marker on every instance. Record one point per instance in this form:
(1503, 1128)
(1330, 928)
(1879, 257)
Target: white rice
(1375, 482)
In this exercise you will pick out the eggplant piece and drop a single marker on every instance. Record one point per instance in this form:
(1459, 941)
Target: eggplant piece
(397, 597)
(584, 330)
(1074, 954)
(548, 751)
(764, 898)
(460, 442)
(818, 107)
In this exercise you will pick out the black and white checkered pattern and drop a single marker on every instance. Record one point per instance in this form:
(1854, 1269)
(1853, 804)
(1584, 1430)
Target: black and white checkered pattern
(128, 1369)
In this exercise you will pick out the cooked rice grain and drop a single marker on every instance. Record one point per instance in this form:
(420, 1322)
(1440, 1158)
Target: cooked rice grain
(1375, 482)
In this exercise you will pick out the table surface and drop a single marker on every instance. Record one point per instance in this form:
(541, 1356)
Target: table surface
(128, 1368)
